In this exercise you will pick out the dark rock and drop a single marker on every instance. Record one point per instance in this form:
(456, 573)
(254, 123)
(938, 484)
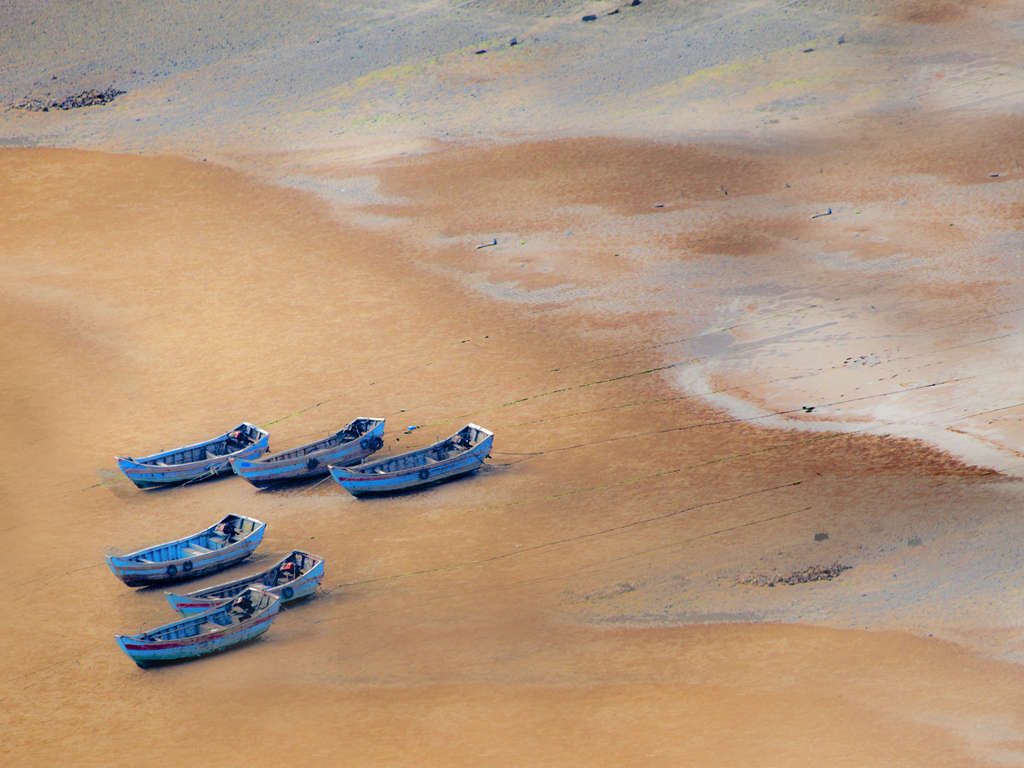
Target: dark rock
(482, 50)
(89, 98)
(513, 41)
(590, 17)
(820, 536)
(634, 4)
(807, 575)
(612, 13)
(808, 50)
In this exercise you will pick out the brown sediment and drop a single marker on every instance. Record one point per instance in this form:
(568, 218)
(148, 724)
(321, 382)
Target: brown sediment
(869, 159)
(149, 302)
(925, 12)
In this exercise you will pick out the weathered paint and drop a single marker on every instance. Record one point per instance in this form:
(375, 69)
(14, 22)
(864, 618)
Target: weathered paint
(419, 468)
(195, 555)
(153, 470)
(201, 634)
(313, 459)
(310, 575)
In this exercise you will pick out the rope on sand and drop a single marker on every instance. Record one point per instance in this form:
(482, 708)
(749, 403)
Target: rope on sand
(322, 480)
(568, 539)
(740, 420)
(207, 474)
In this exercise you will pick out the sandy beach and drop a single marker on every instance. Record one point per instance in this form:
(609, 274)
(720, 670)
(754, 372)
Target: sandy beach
(752, 312)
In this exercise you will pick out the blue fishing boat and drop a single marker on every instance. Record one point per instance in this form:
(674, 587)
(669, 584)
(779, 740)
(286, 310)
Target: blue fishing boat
(459, 454)
(349, 445)
(249, 615)
(292, 578)
(198, 461)
(225, 543)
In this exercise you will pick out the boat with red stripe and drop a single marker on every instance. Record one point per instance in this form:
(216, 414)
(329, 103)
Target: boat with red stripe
(237, 621)
(294, 577)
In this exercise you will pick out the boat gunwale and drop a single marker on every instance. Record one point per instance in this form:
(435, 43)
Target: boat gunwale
(364, 472)
(223, 631)
(197, 594)
(273, 460)
(149, 462)
(135, 558)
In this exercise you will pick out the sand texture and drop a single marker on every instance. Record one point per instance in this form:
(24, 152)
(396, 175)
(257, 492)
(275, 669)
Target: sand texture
(748, 336)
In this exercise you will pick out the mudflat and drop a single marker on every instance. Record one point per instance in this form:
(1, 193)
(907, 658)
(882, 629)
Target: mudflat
(531, 611)
(755, 490)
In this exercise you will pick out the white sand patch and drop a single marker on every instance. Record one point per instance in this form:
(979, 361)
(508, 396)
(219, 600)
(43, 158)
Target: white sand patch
(965, 398)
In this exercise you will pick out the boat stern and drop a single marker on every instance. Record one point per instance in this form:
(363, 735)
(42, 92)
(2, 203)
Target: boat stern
(186, 606)
(123, 642)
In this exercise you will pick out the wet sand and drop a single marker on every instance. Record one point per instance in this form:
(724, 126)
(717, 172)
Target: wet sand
(550, 609)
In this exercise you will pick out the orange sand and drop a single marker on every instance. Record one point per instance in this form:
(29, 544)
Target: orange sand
(549, 610)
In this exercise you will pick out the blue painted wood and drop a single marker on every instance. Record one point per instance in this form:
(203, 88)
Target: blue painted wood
(198, 461)
(349, 445)
(224, 543)
(295, 576)
(459, 454)
(218, 629)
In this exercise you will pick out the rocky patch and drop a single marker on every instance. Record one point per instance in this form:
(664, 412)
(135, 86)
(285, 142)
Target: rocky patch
(813, 573)
(89, 98)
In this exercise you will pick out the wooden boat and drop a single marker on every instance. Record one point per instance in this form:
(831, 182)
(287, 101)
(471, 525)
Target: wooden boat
(292, 578)
(250, 614)
(459, 454)
(349, 445)
(225, 543)
(198, 461)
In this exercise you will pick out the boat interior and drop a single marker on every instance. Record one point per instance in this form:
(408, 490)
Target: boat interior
(236, 440)
(353, 431)
(228, 531)
(239, 610)
(462, 441)
(289, 569)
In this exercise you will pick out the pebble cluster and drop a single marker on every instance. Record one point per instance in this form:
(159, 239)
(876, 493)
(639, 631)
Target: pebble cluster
(90, 98)
(813, 573)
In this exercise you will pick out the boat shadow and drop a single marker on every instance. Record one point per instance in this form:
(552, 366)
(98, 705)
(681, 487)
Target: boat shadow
(295, 485)
(154, 667)
(419, 488)
(163, 487)
(252, 560)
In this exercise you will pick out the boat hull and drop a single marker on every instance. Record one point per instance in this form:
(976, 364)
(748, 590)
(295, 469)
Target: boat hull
(212, 597)
(266, 474)
(360, 482)
(147, 472)
(147, 653)
(136, 572)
